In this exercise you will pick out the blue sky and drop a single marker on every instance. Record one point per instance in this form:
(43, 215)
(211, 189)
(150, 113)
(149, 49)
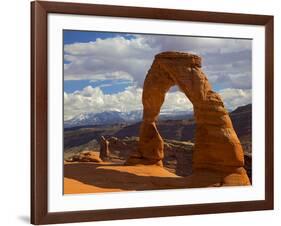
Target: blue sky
(72, 36)
(105, 71)
(107, 86)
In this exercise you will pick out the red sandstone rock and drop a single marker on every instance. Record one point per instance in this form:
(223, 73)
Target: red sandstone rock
(217, 148)
(85, 156)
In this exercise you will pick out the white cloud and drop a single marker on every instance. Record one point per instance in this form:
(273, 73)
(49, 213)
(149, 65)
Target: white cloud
(111, 58)
(226, 62)
(199, 45)
(94, 100)
(234, 98)
(130, 59)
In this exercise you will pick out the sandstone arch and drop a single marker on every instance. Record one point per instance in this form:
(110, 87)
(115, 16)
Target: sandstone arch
(217, 147)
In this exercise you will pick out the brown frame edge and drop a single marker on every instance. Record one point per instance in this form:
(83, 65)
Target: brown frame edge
(39, 117)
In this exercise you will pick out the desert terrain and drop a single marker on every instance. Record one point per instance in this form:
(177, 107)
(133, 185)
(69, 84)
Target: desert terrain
(85, 172)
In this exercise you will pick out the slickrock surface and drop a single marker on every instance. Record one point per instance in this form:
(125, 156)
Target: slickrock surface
(89, 177)
(217, 147)
(105, 177)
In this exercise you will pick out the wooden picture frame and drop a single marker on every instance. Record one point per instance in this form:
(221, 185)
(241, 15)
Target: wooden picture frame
(39, 111)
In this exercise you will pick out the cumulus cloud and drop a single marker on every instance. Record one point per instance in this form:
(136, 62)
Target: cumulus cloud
(126, 59)
(94, 100)
(111, 58)
(200, 45)
(234, 98)
(224, 60)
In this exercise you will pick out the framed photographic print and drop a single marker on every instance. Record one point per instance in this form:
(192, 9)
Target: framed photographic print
(147, 112)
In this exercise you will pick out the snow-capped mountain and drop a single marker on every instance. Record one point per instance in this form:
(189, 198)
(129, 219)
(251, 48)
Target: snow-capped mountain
(103, 118)
(115, 117)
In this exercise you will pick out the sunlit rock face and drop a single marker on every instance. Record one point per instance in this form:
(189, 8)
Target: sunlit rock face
(217, 147)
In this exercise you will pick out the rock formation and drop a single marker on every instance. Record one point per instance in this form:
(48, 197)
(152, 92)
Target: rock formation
(104, 150)
(217, 152)
(85, 156)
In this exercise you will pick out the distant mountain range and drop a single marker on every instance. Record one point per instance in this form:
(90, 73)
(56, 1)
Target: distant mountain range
(184, 129)
(116, 117)
(103, 118)
(181, 129)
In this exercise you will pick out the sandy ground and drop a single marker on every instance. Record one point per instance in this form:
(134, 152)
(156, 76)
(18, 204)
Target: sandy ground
(84, 177)
(92, 177)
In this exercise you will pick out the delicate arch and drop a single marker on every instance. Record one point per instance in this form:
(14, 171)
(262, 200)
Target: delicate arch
(217, 146)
